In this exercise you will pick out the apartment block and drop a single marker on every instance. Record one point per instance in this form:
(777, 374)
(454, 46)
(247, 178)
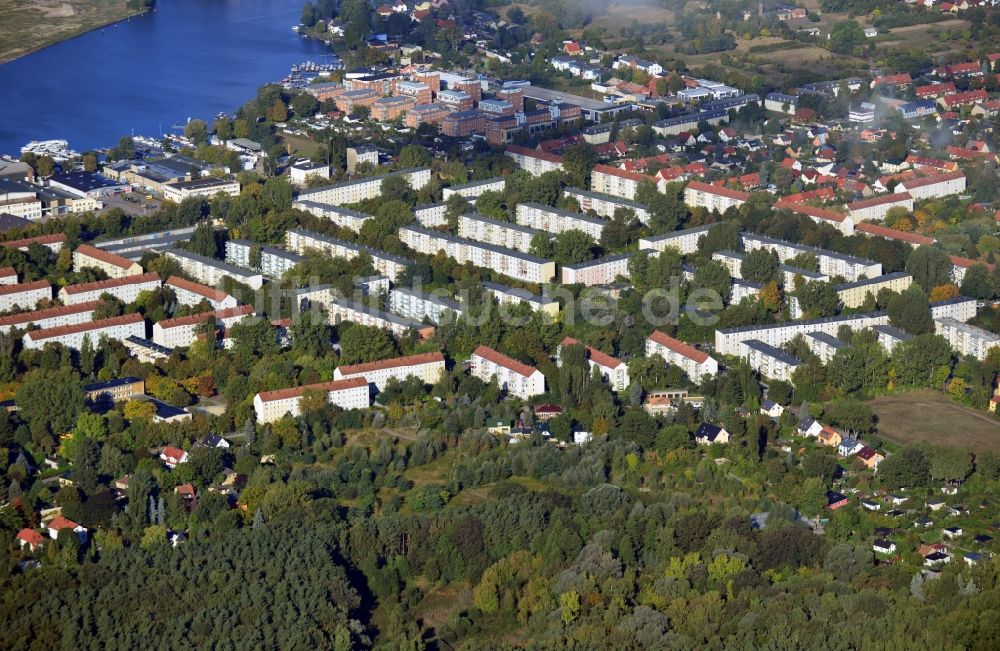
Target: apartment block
(695, 363)
(52, 317)
(350, 192)
(181, 331)
(343, 217)
(824, 345)
(270, 406)
(495, 232)
(190, 293)
(966, 339)
(876, 208)
(960, 308)
(118, 328)
(728, 340)
(614, 371)
(419, 306)
(115, 266)
(126, 289)
(426, 114)
(605, 179)
(24, 296)
(508, 262)
(474, 189)
(684, 242)
(386, 109)
(831, 263)
(463, 124)
(602, 271)
(505, 295)
(429, 367)
(420, 93)
(301, 241)
(533, 161)
(455, 100)
(53, 242)
(853, 295)
(210, 271)
(889, 337)
(936, 185)
(555, 221)
(605, 205)
(513, 376)
(273, 262)
(713, 197)
(432, 215)
(205, 187)
(340, 309)
(771, 362)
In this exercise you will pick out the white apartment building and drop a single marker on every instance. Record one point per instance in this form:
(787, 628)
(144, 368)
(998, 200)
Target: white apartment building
(429, 367)
(271, 406)
(713, 197)
(20, 201)
(8, 276)
(52, 317)
(605, 205)
(876, 208)
(115, 266)
(302, 172)
(960, 308)
(505, 295)
(350, 192)
(966, 339)
(274, 262)
(853, 295)
(597, 272)
(743, 289)
(206, 187)
(53, 242)
(508, 262)
(432, 215)
(190, 293)
(935, 185)
(343, 217)
(475, 189)
(180, 332)
(118, 328)
(24, 296)
(830, 262)
(728, 340)
(769, 361)
(125, 289)
(301, 241)
(692, 361)
(210, 271)
(824, 345)
(555, 221)
(419, 306)
(685, 241)
(340, 309)
(516, 378)
(533, 161)
(614, 371)
(498, 233)
(889, 336)
(605, 179)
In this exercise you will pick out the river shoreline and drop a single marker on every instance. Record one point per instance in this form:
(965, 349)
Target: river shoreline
(76, 34)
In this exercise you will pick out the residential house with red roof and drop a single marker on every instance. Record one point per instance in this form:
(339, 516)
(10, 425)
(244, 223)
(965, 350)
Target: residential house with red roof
(59, 523)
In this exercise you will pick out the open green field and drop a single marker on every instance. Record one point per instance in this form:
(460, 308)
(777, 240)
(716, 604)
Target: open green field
(29, 25)
(928, 416)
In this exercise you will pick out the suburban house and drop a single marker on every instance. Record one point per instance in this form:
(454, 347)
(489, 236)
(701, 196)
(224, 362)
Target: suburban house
(172, 457)
(707, 434)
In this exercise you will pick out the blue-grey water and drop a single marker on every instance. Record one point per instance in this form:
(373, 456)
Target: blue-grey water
(189, 58)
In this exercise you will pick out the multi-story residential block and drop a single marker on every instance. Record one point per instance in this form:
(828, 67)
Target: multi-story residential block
(432, 215)
(685, 241)
(361, 155)
(201, 187)
(116, 390)
(838, 220)
(115, 266)
(474, 189)
(134, 247)
(348, 100)
(831, 263)
(713, 197)
(301, 241)
(72, 336)
(824, 345)
(728, 340)
(605, 205)
(692, 361)
(876, 208)
(455, 100)
(853, 295)
(273, 262)
(386, 109)
(874, 230)
(533, 161)
(420, 92)
(555, 221)
(419, 306)
(889, 336)
(51, 317)
(505, 295)
(126, 289)
(602, 271)
(463, 124)
(8, 276)
(182, 331)
(429, 367)
(302, 172)
(210, 271)
(605, 179)
(190, 293)
(769, 361)
(508, 262)
(960, 265)
(966, 339)
(935, 185)
(339, 310)
(24, 296)
(343, 217)
(426, 114)
(53, 242)
(270, 406)
(350, 192)
(19, 200)
(513, 376)
(743, 289)
(145, 350)
(960, 308)
(496, 232)
(614, 371)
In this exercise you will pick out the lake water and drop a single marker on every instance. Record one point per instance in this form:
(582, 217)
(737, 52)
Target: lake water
(189, 58)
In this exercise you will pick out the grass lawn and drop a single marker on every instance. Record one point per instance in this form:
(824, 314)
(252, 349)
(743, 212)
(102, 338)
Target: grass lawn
(29, 25)
(928, 416)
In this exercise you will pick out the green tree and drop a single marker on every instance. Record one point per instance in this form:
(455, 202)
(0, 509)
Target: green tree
(930, 266)
(911, 311)
(51, 397)
(359, 343)
(578, 162)
(759, 266)
(978, 282)
(909, 468)
(197, 132)
(572, 247)
(817, 299)
(414, 156)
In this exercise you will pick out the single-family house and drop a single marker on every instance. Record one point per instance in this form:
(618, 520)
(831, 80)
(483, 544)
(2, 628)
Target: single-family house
(835, 500)
(172, 457)
(884, 547)
(771, 408)
(707, 434)
(59, 523)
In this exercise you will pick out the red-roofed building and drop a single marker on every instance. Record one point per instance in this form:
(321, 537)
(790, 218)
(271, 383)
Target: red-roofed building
(901, 80)
(876, 208)
(838, 220)
(173, 333)
(710, 197)
(53, 242)
(874, 230)
(30, 538)
(572, 49)
(115, 266)
(933, 91)
(173, 457)
(59, 523)
(190, 293)
(515, 377)
(614, 371)
(935, 185)
(961, 99)
(619, 183)
(533, 161)
(692, 361)
(124, 288)
(118, 328)
(347, 394)
(429, 367)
